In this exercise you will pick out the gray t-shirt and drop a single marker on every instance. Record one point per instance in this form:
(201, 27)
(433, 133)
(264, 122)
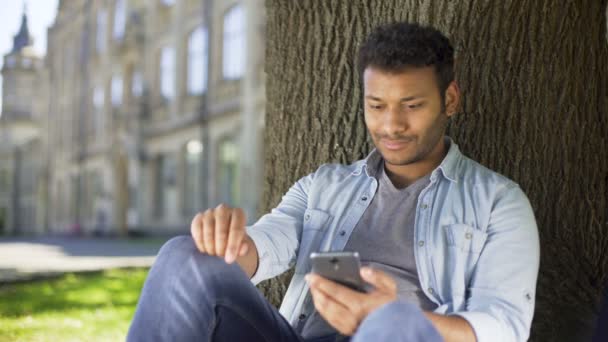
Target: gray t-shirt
(384, 238)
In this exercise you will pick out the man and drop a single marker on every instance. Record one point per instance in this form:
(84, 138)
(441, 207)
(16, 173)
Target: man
(450, 247)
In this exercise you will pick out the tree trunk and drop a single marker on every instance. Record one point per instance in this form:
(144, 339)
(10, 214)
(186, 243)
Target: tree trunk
(534, 76)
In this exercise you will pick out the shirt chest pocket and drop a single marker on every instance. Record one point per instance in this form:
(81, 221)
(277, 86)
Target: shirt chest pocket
(465, 238)
(315, 226)
(464, 246)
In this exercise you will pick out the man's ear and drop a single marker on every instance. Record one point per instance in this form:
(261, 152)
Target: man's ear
(452, 99)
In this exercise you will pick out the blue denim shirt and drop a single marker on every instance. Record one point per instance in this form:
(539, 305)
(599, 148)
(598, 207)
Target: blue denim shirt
(477, 248)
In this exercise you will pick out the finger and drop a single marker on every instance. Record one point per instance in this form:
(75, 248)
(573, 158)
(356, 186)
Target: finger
(209, 232)
(195, 231)
(245, 247)
(222, 226)
(235, 237)
(339, 293)
(336, 314)
(379, 279)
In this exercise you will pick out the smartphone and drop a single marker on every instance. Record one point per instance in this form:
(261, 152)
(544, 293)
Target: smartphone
(340, 267)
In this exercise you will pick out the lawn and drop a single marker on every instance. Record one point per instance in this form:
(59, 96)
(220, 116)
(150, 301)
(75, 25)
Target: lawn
(74, 307)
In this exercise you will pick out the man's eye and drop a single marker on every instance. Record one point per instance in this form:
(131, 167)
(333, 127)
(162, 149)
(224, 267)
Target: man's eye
(375, 107)
(415, 106)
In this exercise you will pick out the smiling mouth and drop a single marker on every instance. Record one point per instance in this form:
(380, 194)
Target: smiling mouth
(395, 144)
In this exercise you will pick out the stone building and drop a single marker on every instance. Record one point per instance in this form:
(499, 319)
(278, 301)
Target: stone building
(20, 142)
(154, 110)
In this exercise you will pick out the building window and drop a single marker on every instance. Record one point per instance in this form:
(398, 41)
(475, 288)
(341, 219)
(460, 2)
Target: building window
(102, 22)
(165, 184)
(99, 103)
(228, 172)
(168, 170)
(167, 73)
(26, 62)
(10, 61)
(197, 61)
(192, 179)
(4, 181)
(137, 84)
(120, 19)
(116, 91)
(233, 59)
(159, 187)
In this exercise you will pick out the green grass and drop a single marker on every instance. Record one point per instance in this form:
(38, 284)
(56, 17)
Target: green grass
(75, 307)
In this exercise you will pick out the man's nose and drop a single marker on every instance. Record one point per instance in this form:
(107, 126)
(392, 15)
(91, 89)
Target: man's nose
(395, 121)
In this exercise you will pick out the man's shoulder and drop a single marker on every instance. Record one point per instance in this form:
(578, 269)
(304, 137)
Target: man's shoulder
(339, 170)
(337, 173)
(473, 173)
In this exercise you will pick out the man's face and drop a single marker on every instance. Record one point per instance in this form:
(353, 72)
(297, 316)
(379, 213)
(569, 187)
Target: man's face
(404, 112)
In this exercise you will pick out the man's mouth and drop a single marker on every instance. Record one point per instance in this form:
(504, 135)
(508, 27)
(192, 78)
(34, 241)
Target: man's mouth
(395, 144)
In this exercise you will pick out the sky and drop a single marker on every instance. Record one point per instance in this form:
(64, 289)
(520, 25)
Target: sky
(40, 15)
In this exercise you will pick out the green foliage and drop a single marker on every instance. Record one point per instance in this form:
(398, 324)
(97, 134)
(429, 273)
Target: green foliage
(75, 307)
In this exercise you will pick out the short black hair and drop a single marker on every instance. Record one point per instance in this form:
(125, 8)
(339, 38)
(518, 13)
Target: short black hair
(393, 47)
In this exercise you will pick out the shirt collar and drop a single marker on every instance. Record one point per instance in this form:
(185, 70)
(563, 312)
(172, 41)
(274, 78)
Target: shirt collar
(448, 166)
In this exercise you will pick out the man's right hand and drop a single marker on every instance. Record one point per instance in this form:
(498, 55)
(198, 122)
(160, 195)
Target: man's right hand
(221, 232)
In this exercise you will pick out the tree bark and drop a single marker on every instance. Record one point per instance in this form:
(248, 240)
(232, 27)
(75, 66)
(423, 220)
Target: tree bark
(534, 76)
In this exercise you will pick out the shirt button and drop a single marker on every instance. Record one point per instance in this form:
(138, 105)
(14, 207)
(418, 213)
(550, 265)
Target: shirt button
(342, 233)
(424, 206)
(468, 236)
(421, 243)
(302, 316)
(364, 198)
(307, 217)
(431, 291)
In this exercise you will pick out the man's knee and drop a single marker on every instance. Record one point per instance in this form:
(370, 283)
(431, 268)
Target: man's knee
(180, 257)
(397, 321)
(180, 246)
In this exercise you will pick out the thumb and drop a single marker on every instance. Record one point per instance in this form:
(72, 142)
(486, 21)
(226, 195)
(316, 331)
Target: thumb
(380, 280)
(244, 247)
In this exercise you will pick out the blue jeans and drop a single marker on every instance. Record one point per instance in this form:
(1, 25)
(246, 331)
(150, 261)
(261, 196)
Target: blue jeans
(190, 296)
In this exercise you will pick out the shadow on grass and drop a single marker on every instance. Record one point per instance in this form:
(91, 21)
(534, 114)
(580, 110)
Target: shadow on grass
(118, 289)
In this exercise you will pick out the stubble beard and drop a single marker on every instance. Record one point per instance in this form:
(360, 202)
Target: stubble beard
(422, 150)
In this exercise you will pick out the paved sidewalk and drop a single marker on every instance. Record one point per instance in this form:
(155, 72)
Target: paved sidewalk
(30, 258)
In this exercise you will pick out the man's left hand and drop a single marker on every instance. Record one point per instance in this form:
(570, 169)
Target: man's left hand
(344, 308)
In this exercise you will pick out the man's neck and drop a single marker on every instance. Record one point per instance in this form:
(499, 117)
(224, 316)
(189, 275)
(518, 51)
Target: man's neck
(403, 175)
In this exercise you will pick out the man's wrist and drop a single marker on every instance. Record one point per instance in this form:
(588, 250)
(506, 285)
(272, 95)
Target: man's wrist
(250, 261)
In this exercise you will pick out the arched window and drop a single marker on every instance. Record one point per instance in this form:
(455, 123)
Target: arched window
(102, 22)
(120, 19)
(116, 91)
(192, 177)
(233, 60)
(228, 176)
(167, 72)
(197, 61)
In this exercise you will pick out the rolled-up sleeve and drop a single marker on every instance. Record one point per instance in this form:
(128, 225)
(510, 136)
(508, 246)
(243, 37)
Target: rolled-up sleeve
(501, 295)
(276, 235)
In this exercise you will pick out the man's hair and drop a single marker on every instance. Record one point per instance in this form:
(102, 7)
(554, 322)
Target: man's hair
(393, 47)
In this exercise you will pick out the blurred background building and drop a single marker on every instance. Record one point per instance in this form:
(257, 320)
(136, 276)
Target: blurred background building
(141, 114)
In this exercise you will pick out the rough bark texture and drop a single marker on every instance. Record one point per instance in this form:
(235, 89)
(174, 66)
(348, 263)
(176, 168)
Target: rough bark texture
(534, 75)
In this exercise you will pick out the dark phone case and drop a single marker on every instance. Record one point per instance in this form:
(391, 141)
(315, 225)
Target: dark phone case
(340, 267)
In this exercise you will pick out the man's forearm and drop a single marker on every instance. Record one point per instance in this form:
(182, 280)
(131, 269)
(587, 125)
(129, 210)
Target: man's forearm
(452, 328)
(249, 261)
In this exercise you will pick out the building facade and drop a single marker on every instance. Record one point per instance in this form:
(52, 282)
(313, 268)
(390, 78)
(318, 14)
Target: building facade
(154, 110)
(20, 142)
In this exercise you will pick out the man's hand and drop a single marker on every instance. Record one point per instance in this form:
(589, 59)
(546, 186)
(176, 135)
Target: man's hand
(221, 232)
(344, 308)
